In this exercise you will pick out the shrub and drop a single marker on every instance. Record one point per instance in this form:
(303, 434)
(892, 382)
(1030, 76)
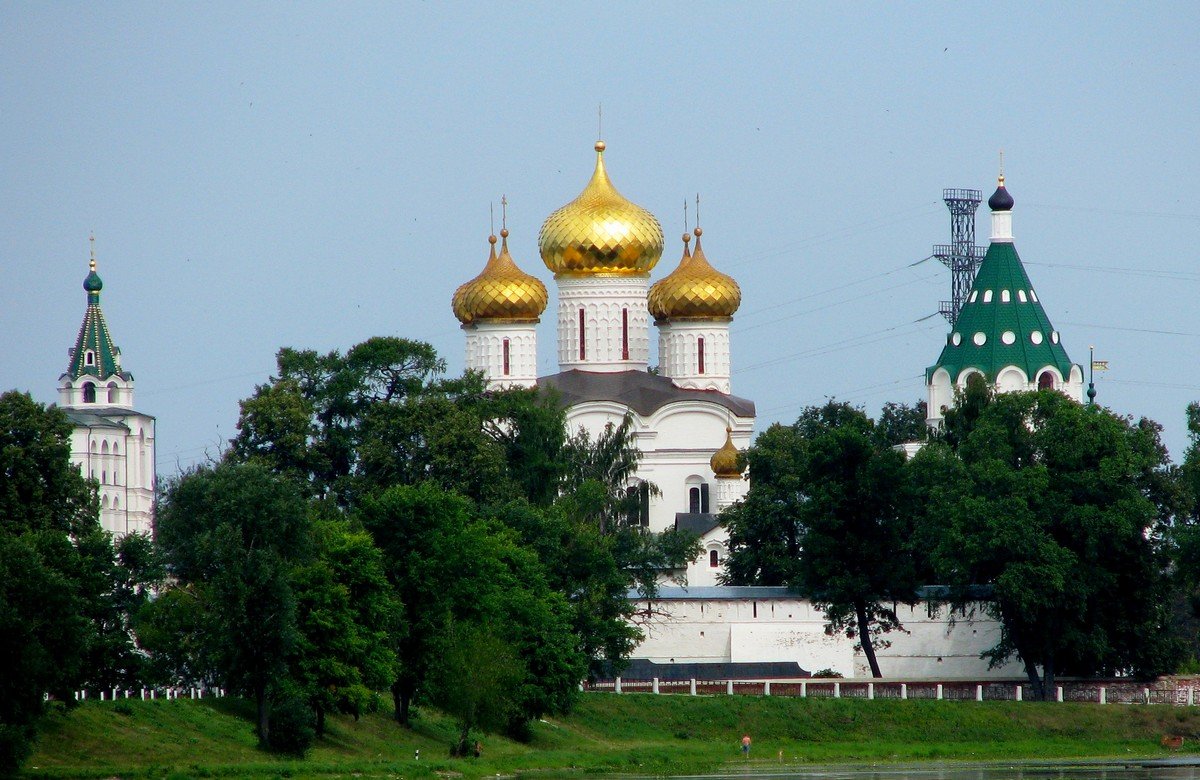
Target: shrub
(293, 727)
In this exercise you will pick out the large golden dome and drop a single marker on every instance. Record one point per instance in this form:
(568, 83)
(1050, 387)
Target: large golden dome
(600, 232)
(725, 461)
(501, 292)
(694, 290)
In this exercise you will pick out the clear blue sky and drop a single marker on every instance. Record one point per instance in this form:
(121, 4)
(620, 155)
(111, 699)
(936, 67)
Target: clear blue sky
(310, 175)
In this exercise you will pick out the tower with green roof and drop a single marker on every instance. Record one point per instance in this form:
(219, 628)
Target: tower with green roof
(112, 443)
(1002, 332)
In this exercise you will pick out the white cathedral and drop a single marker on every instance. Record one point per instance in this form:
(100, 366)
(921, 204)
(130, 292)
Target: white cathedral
(601, 248)
(111, 443)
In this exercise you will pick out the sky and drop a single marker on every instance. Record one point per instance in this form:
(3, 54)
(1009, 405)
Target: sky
(260, 175)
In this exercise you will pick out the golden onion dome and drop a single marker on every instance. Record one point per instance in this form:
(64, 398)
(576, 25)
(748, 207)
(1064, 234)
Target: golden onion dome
(600, 232)
(725, 461)
(502, 291)
(694, 290)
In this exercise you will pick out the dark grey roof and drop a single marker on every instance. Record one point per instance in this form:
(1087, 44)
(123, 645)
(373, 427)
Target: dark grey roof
(101, 416)
(762, 592)
(645, 669)
(641, 391)
(698, 523)
(719, 592)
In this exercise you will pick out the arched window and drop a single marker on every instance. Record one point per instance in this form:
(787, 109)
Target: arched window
(700, 355)
(698, 499)
(506, 357)
(1046, 381)
(104, 448)
(624, 334)
(638, 505)
(116, 448)
(112, 392)
(89, 358)
(103, 477)
(89, 393)
(582, 340)
(714, 559)
(116, 502)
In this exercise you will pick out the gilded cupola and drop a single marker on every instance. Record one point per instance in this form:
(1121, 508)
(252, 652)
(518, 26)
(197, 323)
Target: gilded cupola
(694, 290)
(600, 232)
(725, 462)
(502, 291)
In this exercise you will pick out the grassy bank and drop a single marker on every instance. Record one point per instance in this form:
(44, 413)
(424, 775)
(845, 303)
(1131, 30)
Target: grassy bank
(606, 733)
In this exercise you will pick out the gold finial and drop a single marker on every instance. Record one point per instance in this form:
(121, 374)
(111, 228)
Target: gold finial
(698, 231)
(686, 235)
(1001, 179)
(504, 214)
(92, 242)
(600, 146)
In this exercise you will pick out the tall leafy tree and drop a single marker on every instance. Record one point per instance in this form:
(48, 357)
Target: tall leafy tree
(1056, 513)
(824, 515)
(449, 565)
(347, 619)
(48, 533)
(231, 535)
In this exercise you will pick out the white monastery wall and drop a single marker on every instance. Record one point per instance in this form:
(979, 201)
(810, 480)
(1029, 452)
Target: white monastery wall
(729, 628)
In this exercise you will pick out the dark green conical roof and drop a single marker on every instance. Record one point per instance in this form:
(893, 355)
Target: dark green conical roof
(94, 353)
(1003, 312)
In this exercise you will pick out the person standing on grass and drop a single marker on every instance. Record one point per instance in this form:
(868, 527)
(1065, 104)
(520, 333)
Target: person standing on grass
(746, 746)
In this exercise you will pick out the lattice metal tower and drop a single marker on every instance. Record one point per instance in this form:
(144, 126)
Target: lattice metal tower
(961, 255)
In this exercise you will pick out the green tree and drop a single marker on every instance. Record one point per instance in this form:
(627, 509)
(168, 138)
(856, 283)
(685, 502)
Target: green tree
(46, 508)
(347, 616)
(1055, 514)
(831, 526)
(473, 679)
(901, 423)
(447, 564)
(232, 534)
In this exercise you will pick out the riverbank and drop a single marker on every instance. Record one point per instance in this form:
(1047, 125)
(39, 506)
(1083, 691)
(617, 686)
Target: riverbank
(634, 734)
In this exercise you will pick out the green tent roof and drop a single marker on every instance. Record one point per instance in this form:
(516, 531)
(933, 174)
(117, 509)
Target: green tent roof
(1002, 324)
(94, 353)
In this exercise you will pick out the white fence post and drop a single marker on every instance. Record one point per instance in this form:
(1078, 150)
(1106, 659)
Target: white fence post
(151, 694)
(903, 690)
(837, 690)
(1020, 693)
(693, 686)
(978, 693)
(729, 687)
(1103, 695)
(1191, 696)
(654, 685)
(803, 690)
(870, 690)
(1060, 693)
(766, 688)
(617, 685)
(939, 691)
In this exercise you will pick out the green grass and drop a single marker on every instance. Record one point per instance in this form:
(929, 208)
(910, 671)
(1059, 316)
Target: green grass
(605, 734)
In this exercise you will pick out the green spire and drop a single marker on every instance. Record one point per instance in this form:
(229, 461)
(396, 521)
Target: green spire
(94, 353)
(1002, 322)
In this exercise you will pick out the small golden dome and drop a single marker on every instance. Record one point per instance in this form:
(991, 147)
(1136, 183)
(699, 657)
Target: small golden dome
(600, 232)
(694, 290)
(501, 292)
(724, 461)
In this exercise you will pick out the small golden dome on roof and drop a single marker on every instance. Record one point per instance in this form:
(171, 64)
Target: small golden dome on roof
(694, 290)
(600, 232)
(725, 461)
(502, 291)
